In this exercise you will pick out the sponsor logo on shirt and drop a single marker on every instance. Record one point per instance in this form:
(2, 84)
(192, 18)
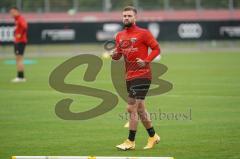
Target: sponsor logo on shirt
(126, 45)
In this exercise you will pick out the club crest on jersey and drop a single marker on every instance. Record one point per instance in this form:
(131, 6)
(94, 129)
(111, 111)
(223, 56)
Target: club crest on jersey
(133, 40)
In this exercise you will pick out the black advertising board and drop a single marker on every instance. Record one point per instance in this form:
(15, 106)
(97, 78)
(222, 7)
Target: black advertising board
(91, 32)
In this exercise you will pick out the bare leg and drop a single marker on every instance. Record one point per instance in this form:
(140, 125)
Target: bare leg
(19, 63)
(129, 144)
(143, 114)
(133, 114)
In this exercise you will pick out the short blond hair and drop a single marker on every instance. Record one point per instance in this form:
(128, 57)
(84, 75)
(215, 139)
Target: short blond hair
(130, 8)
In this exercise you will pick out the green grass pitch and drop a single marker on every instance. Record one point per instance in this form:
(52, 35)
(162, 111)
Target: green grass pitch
(207, 83)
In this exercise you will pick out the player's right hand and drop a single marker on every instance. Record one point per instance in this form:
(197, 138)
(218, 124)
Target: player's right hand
(115, 55)
(112, 52)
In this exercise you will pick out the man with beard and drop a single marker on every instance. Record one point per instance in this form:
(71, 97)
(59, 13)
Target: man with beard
(133, 43)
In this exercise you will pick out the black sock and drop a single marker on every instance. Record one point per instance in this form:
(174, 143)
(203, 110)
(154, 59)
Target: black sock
(151, 132)
(20, 74)
(131, 135)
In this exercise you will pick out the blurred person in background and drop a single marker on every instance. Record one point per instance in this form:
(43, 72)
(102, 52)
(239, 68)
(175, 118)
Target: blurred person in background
(20, 41)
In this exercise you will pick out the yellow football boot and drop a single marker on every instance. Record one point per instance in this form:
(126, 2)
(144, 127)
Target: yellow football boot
(126, 145)
(152, 141)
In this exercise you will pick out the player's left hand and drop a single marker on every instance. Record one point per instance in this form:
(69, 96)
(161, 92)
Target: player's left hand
(140, 62)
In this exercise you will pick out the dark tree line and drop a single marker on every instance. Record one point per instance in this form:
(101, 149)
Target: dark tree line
(98, 5)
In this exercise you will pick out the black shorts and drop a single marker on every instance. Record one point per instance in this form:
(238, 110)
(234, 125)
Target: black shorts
(138, 88)
(19, 48)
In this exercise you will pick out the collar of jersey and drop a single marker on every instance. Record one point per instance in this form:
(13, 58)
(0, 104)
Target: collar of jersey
(131, 28)
(17, 17)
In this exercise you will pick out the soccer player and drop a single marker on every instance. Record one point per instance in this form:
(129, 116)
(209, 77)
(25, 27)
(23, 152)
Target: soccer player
(20, 40)
(133, 43)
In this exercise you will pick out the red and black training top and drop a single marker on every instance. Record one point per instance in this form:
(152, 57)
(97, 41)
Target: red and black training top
(133, 43)
(20, 32)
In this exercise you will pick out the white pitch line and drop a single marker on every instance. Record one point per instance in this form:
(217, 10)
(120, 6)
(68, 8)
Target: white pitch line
(85, 157)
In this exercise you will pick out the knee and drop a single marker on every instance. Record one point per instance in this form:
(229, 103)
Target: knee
(140, 104)
(141, 107)
(131, 109)
(140, 111)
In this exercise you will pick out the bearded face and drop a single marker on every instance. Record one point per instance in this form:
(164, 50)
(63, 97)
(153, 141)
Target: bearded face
(129, 18)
